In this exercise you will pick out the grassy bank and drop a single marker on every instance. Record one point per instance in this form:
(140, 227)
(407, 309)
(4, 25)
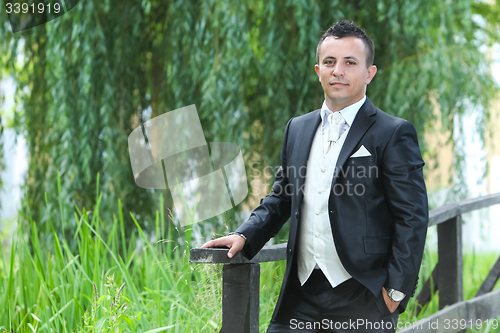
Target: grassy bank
(143, 283)
(109, 284)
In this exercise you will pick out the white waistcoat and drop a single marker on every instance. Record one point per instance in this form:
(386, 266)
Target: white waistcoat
(316, 244)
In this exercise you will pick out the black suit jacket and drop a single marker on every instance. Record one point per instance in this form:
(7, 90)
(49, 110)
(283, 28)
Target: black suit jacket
(377, 205)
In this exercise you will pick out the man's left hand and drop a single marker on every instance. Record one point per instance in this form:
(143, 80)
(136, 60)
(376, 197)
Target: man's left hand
(389, 302)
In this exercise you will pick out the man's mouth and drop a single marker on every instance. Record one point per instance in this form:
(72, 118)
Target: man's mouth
(338, 84)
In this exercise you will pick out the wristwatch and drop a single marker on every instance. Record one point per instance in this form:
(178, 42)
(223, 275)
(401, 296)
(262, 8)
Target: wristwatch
(395, 295)
(239, 234)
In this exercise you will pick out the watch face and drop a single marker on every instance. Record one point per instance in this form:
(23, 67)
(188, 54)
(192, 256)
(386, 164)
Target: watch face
(397, 295)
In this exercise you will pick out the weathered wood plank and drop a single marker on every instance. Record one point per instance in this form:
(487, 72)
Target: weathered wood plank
(446, 212)
(478, 308)
(219, 256)
(490, 280)
(450, 277)
(240, 298)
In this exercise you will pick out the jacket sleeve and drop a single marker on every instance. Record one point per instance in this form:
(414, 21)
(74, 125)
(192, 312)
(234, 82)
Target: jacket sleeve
(406, 196)
(274, 210)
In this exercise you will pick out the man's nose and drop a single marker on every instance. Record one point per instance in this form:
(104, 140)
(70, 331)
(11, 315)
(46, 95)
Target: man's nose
(338, 70)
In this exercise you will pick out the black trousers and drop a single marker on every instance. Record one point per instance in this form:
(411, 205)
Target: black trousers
(317, 307)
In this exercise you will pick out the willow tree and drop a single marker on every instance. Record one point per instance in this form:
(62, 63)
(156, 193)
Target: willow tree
(88, 78)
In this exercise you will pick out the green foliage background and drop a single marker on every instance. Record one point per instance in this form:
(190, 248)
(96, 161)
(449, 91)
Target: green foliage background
(84, 80)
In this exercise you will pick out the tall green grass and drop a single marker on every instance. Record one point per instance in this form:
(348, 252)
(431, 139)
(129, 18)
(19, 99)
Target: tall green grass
(52, 289)
(143, 283)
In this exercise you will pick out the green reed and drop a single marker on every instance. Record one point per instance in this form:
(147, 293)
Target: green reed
(59, 290)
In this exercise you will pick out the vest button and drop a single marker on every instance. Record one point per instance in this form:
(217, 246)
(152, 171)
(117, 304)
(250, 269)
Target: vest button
(323, 169)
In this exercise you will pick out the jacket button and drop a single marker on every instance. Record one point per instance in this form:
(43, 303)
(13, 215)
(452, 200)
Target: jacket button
(297, 214)
(331, 212)
(289, 251)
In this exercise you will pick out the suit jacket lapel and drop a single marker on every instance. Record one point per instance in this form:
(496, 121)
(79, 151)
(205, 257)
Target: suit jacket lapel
(362, 122)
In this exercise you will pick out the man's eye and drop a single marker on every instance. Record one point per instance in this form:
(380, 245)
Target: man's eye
(351, 62)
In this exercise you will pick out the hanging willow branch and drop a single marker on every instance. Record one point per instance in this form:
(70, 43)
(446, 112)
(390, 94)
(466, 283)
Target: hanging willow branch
(85, 78)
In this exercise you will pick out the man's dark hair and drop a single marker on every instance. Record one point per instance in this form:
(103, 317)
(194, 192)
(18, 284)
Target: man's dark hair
(343, 29)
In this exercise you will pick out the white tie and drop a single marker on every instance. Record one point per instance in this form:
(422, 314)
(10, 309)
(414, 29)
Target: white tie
(336, 121)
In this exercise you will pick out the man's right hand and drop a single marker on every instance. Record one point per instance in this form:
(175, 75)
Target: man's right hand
(234, 242)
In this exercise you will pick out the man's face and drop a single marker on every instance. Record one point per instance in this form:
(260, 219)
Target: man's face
(342, 71)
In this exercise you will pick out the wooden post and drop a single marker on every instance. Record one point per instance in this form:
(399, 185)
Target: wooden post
(240, 298)
(450, 277)
(240, 284)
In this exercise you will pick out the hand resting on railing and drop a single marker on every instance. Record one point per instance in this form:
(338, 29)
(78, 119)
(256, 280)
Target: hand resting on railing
(234, 242)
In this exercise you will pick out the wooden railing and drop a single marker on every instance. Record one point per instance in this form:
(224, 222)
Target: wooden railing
(240, 278)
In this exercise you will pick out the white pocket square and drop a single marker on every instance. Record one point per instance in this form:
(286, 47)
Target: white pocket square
(362, 152)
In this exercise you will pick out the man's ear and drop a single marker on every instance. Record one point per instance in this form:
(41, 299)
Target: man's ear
(316, 68)
(372, 70)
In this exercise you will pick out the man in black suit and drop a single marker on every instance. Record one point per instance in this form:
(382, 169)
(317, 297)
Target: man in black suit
(358, 216)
